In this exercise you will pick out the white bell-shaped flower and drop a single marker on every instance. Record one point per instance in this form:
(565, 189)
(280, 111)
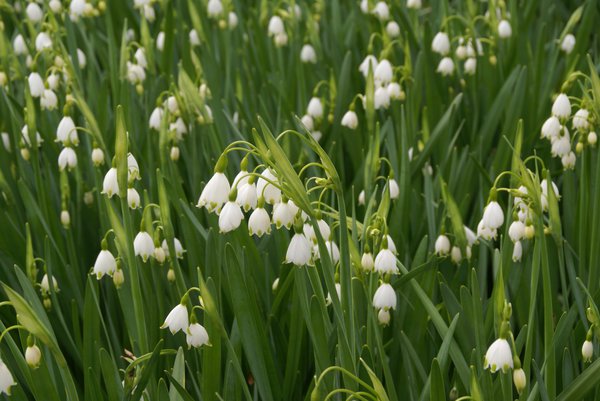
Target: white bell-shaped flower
(276, 26)
(42, 41)
(385, 262)
(308, 54)
(105, 264)
(48, 100)
(283, 214)
(247, 196)
(517, 252)
(385, 297)
(580, 120)
(504, 29)
(441, 43)
(442, 245)
(34, 12)
(382, 98)
(392, 29)
(36, 84)
(66, 131)
(6, 379)
(350, 119)
(446, 66)
(177, 319)
(370, 62)
(568, 43)
(315, 108)
(498, 356)
(493, 216)
(367, 263)
(215, 193)
(259, 222)
(196, 335)
(561, 107)
(383, 73)
(143, 245)
(110, 185)
(264, 188)
(230, 217)
(299, 250)
(67, 159)
(156, 118)
(470, 66)
(551, 128)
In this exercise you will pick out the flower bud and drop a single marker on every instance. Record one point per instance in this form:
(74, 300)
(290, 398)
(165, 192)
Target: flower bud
(65, 218)
(33, 356)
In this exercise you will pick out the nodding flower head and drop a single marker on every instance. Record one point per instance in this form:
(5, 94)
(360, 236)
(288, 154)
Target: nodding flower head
(498, 356)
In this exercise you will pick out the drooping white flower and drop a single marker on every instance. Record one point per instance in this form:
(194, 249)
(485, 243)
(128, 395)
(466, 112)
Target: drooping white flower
(6, 379)
(19, 45)
(592, 138)
(382, 98)
(551, 128)
(361, 197)
(105, 264)
(259, 222)
(516, 231)
(232, 20)
(67, 159)
(414, 4)
(230, 217)
(394, 188)
(385, 297)
(283, 214)
(110, 185)
(77, 9)
(392, 29)
(384, 317)
(135, 73)
(34, 12)
(26, 135)
(48, 100)
(350, 119)
(332, 250)
(470, 66)
(580, 120)
(561, 107)
(160, 41)
(196, 335)
(442, 245)
(194, 38)
(367, 262)
(370, 62)
(299, 250)
(338, 291)
(247, 196)
(441, 43)
(446, 66)
(395, 91)
(81, 58)
(456, 254)
(568, 43)
(517, 252)
(281, 39)
(493, 216)
(308, 54)
(264, 188)
(383, 73)
(133, 198)
(179, 251)
(53, 81)
(381, 11)
(33, 356)
(66, 133)
(42, 41)
(276, 26)
(55, 6)
(315, 108)
(385, 262)
(143, 245)
(215, 193)
(156, 118)
(97, 156)
(471, 236)
(568, 161)
(504, 29)
(45, 284)
(36, 84)
(498, 356)
(140, 57)
(519, 380)
(587, 351)
(561, 145)
(391, 245)
(177, 319)
(324, 229)
(214, 8)
(486, 232)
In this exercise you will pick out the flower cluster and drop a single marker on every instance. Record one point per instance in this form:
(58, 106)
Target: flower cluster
(180, 320)
(555, 130)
